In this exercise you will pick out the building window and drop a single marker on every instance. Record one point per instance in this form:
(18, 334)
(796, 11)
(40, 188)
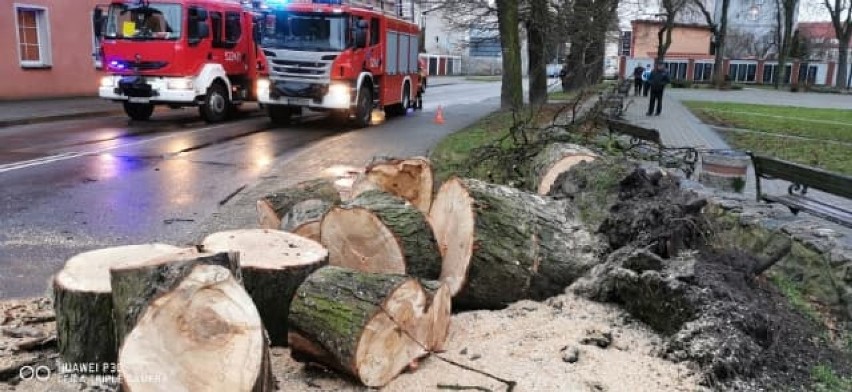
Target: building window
(703, 72)
(677, 70)
(742, 72)
(33, 37)
(626, 39)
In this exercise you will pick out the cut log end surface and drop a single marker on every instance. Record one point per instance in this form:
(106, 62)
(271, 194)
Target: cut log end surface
(356, 238)
(267, 249)
(266, 216)
(409, 178)
(558, 168)
(452, 220)
(204, 335)
(89, 271)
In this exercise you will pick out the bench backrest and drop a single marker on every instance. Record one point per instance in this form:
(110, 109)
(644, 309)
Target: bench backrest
(647, 134)
(816, 178)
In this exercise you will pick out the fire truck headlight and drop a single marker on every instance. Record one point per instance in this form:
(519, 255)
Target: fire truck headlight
(180, 84)
(262, 87)
(339, 93)
(107, 81)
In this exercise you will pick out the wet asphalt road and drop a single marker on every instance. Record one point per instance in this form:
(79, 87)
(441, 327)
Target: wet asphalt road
(72, 186)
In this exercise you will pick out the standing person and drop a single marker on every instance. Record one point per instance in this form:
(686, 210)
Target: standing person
(645, 75)
(637, 79)
(657, 82)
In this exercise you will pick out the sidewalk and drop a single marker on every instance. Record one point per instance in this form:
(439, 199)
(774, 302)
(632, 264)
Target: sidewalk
(679, 127)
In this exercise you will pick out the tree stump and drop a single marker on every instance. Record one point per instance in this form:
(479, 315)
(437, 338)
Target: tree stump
(554, 160)
(204, 334)
(410, 179)
(273, 264)
(135, 285)
(83, 301)
(370, 326)
(500, 244)
(308, 198)
(381, 233)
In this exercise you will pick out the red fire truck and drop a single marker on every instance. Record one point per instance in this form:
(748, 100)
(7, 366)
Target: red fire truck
(178, 53)
(346, 57)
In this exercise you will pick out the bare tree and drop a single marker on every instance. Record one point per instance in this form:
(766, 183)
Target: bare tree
(720, 32)
(785, 11)
(671, 8)
(537, 23)
(841, 20)
(589, 21)
(511, 92)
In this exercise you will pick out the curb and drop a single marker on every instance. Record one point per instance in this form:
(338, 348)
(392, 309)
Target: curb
(58, 117)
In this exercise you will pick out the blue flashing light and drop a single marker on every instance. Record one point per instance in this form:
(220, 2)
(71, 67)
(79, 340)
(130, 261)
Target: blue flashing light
(117, 65)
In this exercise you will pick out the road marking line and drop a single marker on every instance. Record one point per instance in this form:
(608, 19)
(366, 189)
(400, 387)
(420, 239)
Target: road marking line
(71, 155)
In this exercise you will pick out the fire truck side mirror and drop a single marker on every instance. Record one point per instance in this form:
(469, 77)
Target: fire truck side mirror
(97, 22)
(361, 34)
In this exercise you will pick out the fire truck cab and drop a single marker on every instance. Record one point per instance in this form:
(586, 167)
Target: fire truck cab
(345, 57)
(178, 53)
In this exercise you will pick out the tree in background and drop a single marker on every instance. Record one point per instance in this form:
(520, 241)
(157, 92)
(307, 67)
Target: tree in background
(720, 32)
(588, 23)
(537, 22)
(841, 20)
(671, 8)
(511, 91)
(784, 16)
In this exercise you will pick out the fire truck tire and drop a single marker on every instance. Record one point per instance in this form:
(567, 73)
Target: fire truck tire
(279, 114)
(400, 108)
(216, 105)
(138, 111)
(364, 109)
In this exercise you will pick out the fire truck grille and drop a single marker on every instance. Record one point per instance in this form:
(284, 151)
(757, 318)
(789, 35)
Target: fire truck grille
(300, 69)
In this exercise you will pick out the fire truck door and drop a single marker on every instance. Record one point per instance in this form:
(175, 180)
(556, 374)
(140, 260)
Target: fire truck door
(375, 55)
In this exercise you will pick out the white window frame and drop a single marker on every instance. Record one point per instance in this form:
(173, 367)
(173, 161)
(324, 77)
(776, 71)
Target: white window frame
(43, 32)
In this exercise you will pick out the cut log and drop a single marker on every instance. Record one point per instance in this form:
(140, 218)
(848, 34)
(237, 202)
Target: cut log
(273, 264)
(381, 233)
(83, 301)
(410, 179)
(134, 286)
(304, 218)
(272, 208)
(366, 325)
(439, 314)
(202, 335)
(554, 160)
(500, 244)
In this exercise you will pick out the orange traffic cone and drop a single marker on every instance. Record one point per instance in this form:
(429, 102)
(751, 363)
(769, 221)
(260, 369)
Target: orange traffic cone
(439, 115)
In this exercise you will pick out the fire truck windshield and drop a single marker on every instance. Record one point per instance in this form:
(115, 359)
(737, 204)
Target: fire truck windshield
(305, 31)
(154, 21)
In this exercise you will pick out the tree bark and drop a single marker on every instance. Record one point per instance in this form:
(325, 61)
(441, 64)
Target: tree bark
(202, 333)
(554, 160)
(536, 36)
(409, 178)
(136, 286)
(363, 324)
(85, 331)
(719, 59)
(272, 208)
(273, 265)
(378, 232)
(500, 244)
(511, 91)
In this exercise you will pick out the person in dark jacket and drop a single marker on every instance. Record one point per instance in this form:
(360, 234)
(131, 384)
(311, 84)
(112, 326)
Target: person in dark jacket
(637, 79)
(657, 82)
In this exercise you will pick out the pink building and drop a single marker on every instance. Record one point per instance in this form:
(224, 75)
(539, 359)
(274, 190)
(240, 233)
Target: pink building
(47, 48)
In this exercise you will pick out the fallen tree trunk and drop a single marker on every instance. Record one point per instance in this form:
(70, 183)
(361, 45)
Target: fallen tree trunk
(410, 179)
(311, 195)
(204, 334)
(554, 160)
(135, 286)
(273, 265)
(368, 325)
(500, 244)
(83, 301)
(378, 232)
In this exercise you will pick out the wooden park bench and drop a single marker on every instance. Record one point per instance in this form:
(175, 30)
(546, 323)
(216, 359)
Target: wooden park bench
(641, 138)
(802, 178)
(614, 100)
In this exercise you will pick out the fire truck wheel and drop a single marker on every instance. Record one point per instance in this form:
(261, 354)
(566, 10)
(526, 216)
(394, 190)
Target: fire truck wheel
(138, 111)
(364, 110)
(216, 106)
(279, 114)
